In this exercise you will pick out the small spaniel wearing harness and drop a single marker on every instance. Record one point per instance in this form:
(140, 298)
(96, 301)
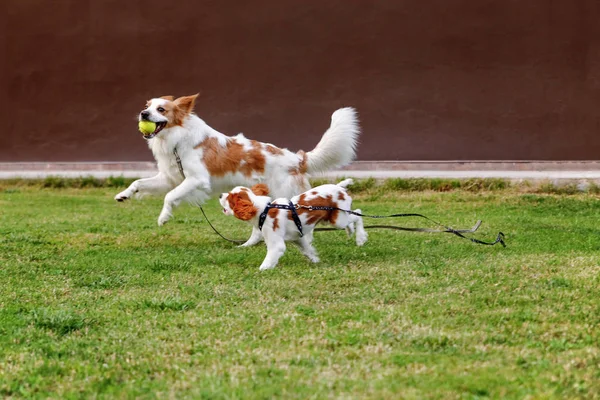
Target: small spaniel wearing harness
(293, 220)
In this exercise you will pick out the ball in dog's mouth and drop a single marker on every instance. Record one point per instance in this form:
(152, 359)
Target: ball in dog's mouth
(146, 128)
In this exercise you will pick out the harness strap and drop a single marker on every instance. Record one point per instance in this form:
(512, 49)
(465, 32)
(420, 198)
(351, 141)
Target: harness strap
(290, 206)
(178, 160)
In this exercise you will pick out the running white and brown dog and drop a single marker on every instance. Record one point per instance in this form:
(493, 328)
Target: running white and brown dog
(196, 161)
(279, 224)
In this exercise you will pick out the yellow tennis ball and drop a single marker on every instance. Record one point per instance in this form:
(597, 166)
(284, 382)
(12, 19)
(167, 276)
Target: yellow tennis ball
(147, 127)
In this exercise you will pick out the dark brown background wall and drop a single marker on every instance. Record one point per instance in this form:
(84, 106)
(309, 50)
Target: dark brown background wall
(435, 79)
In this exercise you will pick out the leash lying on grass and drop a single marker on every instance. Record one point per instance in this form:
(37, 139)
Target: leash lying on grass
(293, 208)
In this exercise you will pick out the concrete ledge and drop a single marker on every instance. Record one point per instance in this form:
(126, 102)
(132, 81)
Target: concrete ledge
(521, 170)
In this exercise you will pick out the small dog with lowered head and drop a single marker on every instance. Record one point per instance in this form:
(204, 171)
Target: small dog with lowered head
(279, 225)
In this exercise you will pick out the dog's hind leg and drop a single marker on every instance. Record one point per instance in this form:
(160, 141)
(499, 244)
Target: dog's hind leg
(158, 184)
(307, 248)
(361, 234)
(350, 229)
(191, 189)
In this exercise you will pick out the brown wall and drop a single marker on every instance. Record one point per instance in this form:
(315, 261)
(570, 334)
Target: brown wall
(435, 79)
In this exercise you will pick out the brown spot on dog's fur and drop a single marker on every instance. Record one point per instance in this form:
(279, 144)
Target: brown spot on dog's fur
(301, 168)
(341, 196)
(272, 213)
(231, 158)
(241, 205)
(298, 173)
(276, 151)
(314, 193)
(260, 189)
(315, 216)
(174, 114)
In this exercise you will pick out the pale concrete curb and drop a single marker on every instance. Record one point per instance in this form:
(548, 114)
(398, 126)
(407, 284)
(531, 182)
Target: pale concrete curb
(513, 170)
(513, 175)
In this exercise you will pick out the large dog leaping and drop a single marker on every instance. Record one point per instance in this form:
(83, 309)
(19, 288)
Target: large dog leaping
(213, 162)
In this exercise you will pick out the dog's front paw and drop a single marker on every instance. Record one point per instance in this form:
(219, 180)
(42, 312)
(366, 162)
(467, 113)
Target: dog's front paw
(249, 243)
(266, 267)
(163, 218)
(124, 195)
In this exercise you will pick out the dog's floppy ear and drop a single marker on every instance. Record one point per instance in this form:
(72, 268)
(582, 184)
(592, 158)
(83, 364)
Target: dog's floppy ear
(241, 206)
(169, 98)
(186, 103)
(260, 189)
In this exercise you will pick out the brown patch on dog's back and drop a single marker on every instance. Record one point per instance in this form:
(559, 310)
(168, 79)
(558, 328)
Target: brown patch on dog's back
(341, 196)
(221, 160)
(260, 189)
(276, 151)
(315, 216)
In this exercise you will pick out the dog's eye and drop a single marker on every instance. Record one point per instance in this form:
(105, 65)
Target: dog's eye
(160, 109)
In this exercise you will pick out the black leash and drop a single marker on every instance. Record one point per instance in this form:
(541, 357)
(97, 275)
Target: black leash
(447, 229)
(180, 166)
(402, 228)
(216, 231)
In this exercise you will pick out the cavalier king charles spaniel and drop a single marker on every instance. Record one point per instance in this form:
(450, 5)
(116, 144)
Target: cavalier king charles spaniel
(292, 220)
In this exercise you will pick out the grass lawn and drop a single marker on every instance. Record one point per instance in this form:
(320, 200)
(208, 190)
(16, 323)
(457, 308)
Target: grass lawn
(97, 301)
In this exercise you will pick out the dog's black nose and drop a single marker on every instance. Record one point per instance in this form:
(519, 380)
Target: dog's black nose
(145, 114)
(221, 195)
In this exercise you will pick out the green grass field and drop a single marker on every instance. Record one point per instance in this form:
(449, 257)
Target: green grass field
(96, 301)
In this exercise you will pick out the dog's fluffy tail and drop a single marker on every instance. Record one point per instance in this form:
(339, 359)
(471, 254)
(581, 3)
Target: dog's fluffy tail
(338, 145)
(345, 183)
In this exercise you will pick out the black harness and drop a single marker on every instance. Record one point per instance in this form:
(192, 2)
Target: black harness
(290, 206)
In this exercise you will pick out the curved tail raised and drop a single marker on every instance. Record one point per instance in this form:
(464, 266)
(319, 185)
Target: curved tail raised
(337, 147)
